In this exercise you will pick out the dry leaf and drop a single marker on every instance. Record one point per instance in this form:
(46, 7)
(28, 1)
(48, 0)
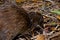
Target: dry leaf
(58, 17)
(40, 37)
(19, 1)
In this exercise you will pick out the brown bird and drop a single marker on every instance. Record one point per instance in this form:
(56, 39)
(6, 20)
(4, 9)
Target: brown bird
(15, 20)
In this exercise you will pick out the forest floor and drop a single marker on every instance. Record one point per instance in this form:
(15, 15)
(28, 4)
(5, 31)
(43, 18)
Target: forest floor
(51, 18)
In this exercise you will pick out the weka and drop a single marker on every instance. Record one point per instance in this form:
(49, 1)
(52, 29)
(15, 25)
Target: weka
(13, 20)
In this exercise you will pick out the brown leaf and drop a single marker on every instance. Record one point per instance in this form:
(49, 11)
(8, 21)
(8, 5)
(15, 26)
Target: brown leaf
(40, 37)
(58, 17)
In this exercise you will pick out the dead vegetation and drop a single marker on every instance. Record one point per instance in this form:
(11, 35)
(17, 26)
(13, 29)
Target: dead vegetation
(40, 16)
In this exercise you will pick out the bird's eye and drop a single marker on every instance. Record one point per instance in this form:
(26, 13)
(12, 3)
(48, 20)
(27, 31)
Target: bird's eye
(2, 2)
